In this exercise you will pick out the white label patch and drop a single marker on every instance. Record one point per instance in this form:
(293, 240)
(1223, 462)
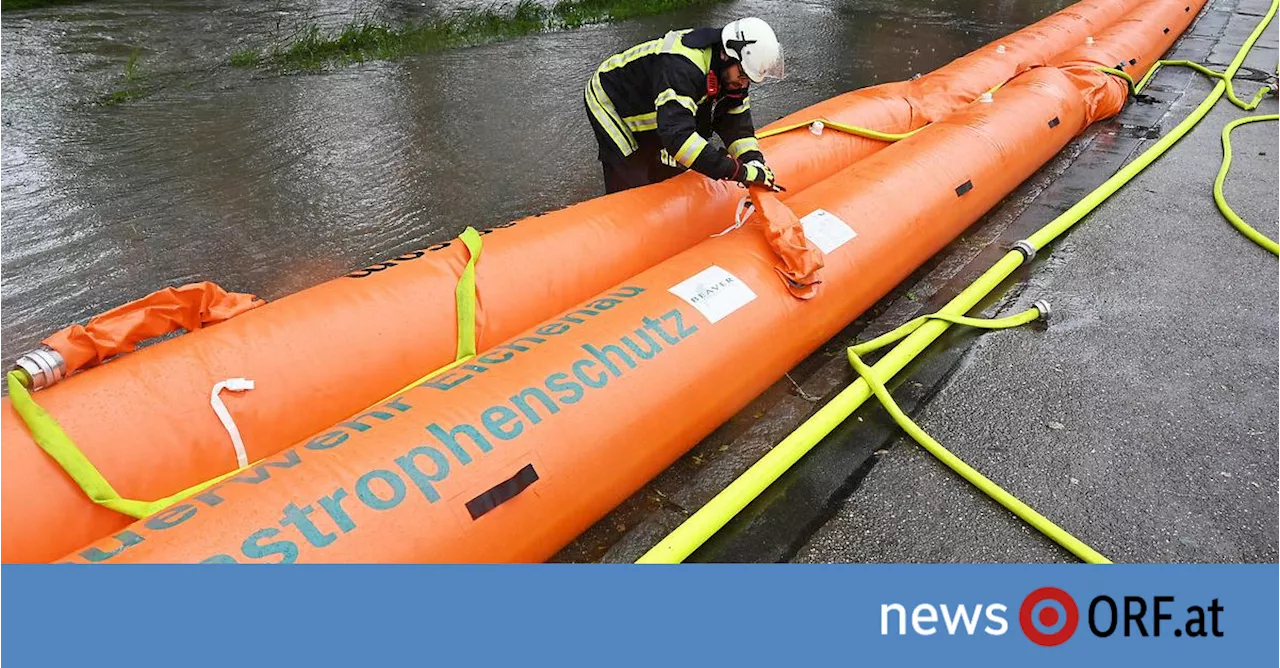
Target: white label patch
(714, 292)
(826, 231)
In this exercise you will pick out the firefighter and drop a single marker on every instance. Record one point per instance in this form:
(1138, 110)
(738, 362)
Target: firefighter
(654, 106)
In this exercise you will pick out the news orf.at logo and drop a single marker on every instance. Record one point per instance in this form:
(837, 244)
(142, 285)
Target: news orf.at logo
(1048, 616)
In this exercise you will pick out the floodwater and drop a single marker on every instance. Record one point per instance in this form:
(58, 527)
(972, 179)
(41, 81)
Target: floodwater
(269, 183)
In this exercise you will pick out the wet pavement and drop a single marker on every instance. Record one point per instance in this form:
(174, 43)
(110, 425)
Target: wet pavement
(270, 184)
(1142, 419)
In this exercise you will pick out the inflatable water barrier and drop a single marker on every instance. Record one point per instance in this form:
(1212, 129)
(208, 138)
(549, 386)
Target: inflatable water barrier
(509, 454)
(147, 425)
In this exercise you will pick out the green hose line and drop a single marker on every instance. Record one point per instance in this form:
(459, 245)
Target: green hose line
(1128, 78)
(709, 519)
(1221, 199)
(1222, 76)
(1023, 511)
(984, 323)
(1110, 186)
(841, 127)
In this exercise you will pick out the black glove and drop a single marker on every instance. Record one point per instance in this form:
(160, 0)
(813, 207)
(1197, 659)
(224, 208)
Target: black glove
(755, 172)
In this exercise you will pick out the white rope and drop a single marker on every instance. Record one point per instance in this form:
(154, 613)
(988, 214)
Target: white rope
(745, 209)
(234, 385)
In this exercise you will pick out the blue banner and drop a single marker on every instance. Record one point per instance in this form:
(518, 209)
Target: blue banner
(707, 615)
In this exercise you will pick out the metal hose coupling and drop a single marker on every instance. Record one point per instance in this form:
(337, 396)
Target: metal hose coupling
(1028, 251)
(1043, 307)
(44, 366)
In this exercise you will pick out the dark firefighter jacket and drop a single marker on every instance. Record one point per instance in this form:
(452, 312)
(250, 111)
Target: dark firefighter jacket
(662, 86)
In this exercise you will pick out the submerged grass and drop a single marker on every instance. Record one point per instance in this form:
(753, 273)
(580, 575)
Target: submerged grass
(245, 58)
(312, 48)
(133, 86)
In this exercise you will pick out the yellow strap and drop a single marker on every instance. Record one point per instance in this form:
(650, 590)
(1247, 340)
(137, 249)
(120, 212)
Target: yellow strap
(48, 434)
(465, 296)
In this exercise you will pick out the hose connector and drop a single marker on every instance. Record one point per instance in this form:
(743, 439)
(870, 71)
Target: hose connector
(1028, 251)
(44, 366)
(1042, 306)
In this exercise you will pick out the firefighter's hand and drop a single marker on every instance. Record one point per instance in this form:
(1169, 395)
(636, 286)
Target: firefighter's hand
(755, 173)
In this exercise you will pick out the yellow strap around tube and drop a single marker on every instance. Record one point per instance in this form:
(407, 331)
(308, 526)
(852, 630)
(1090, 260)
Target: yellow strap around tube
(55, 442)
(48, 434)
(465, 296)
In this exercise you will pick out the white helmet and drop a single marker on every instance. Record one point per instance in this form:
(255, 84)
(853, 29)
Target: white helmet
(751, 42)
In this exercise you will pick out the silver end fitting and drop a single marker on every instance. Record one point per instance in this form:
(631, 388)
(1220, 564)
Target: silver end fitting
(43, 366)
(1043, 307)
(1028, 251)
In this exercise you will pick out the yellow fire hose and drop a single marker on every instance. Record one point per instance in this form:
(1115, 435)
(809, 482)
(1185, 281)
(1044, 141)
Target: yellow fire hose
(703, 524)
(1221, 199)
(1221, 76)
(1218, 197)
(860, 131)
(841, 127)
(991, 489)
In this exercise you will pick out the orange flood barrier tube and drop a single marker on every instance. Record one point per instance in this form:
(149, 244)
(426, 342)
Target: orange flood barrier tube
(512, 455)
(321, 355)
